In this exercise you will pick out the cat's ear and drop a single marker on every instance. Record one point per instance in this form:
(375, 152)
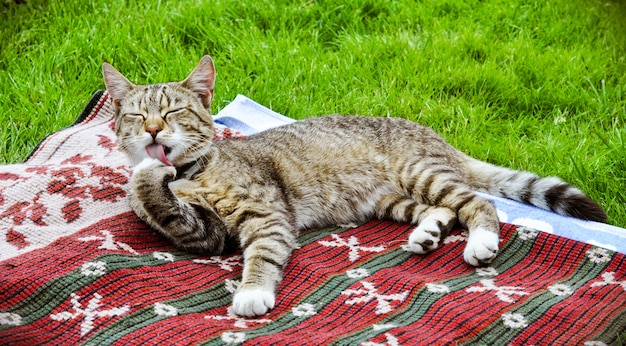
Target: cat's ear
(202, 80)
(117, 85)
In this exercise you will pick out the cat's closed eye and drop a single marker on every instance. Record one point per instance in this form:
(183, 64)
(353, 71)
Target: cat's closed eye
(135, 116)
(172, 112)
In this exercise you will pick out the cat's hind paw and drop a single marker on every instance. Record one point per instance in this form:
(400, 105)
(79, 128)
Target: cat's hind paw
(482, 247)
(253, 302)
(427, 236)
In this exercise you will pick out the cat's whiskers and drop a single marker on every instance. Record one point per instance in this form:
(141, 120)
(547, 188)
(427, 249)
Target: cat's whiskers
(192, 145)
(124, 143)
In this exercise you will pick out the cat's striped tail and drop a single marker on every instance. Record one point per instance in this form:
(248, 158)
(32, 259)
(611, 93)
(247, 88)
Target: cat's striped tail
(549, 193)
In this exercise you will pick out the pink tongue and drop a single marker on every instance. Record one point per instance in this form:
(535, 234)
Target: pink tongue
(156, 151)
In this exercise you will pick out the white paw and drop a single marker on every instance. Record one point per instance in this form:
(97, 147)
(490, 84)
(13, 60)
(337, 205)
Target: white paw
(428, 234)
(150, 164)
(425, 237)
(253, 302)
(482, 247)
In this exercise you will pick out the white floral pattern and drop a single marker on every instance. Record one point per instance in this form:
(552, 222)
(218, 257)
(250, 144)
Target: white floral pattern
(358, 273)
(304, 309)
(608, 278)
(352, 244)
(9, 318)
(163, 256)
(526, 233)
(598, 255)
(109, 242)
(390, 340)
(504, 293)
(227, 263)
(514, 321)
(488, 271)
(369, 292)
(97, 268)
(238, 321)
(88, 313)
(438, 288)
(233, 337)
(383, 326)
(560, 290)
(165, 310)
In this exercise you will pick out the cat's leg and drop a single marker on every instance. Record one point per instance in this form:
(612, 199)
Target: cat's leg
(188, 227)
(474, 213)
(480, 218)
(442, 186)
(433, 223)
(267, 239)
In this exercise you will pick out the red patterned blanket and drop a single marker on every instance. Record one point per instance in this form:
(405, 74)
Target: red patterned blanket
(77, 266)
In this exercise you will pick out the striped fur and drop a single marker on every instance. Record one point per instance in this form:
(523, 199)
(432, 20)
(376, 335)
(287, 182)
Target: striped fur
(317, 172)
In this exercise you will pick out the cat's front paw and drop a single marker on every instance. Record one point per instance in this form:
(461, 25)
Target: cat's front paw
(150, 164)
(151, 167)
(482, 247)
(253, 302)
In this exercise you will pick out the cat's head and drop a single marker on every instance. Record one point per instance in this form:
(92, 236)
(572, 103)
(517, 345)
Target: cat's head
(171, 122)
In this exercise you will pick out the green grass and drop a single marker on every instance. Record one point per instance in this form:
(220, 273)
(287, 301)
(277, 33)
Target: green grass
(533, 85)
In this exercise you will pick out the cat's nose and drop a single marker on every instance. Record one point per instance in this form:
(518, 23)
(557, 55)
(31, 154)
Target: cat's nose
(153, 130)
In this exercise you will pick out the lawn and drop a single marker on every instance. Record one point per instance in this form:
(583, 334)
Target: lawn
(533, 85)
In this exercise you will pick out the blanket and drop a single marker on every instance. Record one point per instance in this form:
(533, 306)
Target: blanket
(77, 266)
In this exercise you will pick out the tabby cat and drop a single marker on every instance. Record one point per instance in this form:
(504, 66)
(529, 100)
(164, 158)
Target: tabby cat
(256, 193)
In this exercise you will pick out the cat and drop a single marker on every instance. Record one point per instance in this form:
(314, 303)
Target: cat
(256, 193)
